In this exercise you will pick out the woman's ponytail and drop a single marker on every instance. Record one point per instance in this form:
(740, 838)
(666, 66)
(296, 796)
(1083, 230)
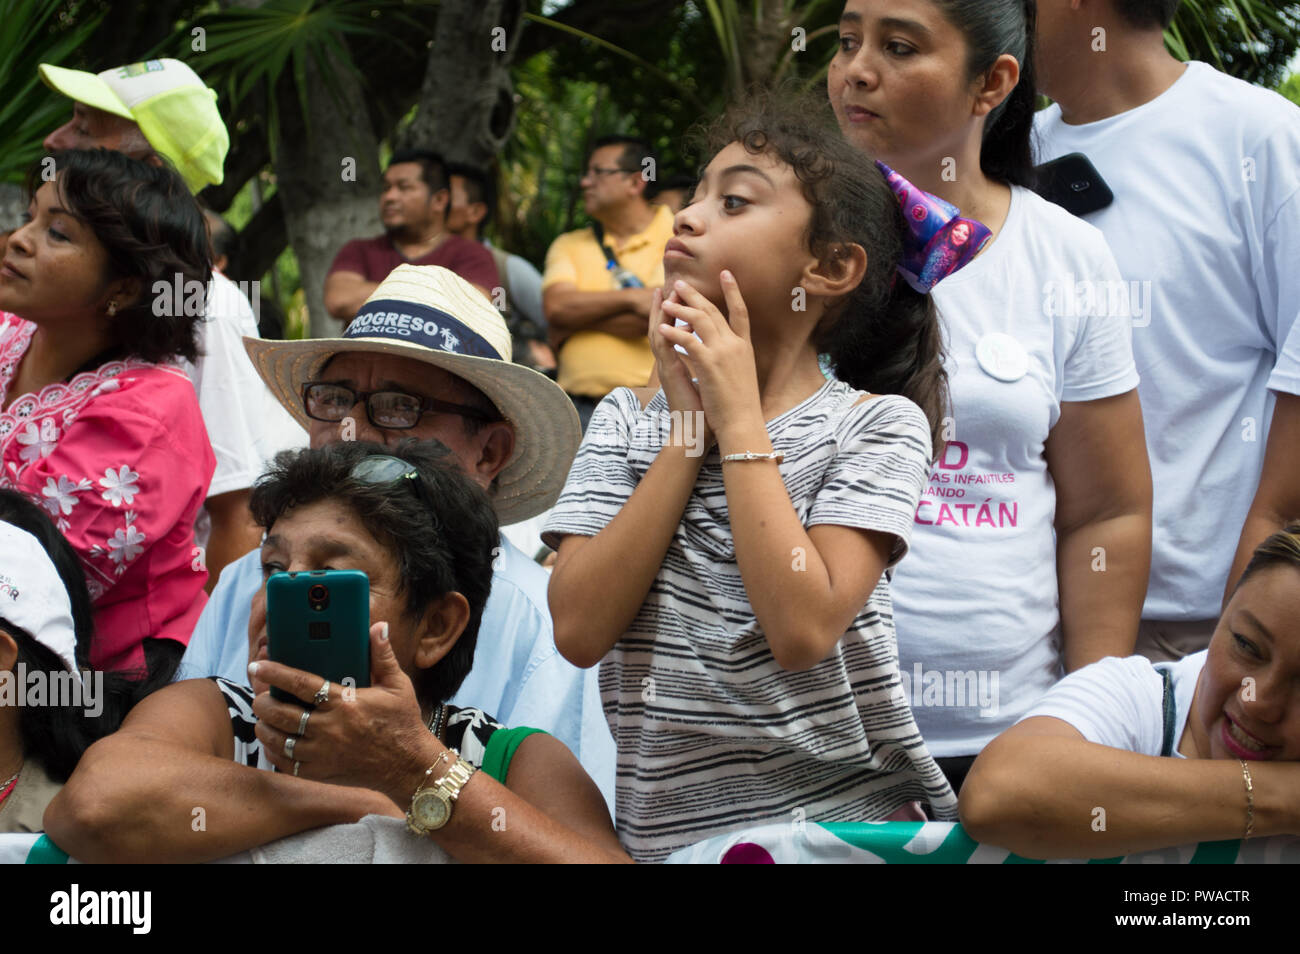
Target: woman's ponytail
(993, 28)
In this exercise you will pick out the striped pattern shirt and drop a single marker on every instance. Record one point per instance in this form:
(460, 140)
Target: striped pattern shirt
(712, 733)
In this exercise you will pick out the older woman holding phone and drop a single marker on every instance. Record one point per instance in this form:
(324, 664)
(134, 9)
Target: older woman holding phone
(425, 537)
(1204, 749)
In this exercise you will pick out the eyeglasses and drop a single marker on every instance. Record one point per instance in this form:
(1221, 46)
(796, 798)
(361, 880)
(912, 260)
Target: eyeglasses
(394, 410)
(595, 171)
(381, 469)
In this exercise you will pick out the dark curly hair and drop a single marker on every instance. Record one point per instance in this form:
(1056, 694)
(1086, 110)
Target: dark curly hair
(884, 337)
(444, 538)
(152, 230)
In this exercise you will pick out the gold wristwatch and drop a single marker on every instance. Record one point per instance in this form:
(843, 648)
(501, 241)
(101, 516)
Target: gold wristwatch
(431, 804)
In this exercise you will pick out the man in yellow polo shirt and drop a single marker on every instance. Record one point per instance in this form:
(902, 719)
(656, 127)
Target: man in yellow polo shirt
(598, 281)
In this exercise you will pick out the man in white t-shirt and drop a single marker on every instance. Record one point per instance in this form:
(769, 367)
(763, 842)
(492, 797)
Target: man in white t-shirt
(157, 110)
(1205, 225)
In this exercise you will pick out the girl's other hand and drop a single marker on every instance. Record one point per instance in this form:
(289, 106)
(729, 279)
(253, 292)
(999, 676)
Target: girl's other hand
(720, 352)
(674, 373)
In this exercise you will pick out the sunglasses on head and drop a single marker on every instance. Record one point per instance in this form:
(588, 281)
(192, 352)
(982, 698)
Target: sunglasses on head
(381, 469)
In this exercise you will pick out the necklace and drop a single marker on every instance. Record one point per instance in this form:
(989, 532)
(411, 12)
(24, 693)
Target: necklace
(435, 720)
(4, 786)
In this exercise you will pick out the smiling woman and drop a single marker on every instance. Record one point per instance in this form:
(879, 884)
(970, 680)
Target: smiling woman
(1204, 749)
(97, 422)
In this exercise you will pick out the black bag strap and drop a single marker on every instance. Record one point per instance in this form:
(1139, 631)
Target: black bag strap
(599, 231)
(1170, 713)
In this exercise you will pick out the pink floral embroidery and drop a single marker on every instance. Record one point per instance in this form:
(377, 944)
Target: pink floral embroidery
(54, 403)
(62, 495)
(123, 546)
(120, 485)
(119, 457)
(38, 441)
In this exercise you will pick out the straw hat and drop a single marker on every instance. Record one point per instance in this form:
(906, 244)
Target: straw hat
(430, 314)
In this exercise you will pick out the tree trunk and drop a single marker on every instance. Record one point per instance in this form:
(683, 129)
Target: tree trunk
(467, 106)
(12, 206)
(767, 41)
(328, 179)
(259, 244)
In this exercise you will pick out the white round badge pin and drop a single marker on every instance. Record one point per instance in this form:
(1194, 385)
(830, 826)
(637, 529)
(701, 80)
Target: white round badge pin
(1002, 357)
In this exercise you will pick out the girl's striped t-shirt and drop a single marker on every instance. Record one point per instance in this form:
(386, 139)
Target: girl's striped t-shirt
(712, 733)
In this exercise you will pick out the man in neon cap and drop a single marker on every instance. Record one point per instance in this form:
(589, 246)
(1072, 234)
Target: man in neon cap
(160, 106)
(159, 111)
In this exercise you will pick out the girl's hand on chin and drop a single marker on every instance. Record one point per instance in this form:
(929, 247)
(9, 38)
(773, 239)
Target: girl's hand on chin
(674, 373)
(722, 355)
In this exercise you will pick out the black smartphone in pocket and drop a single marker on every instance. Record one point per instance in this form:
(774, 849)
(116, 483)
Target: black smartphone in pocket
(1074, 183)
(319, 622)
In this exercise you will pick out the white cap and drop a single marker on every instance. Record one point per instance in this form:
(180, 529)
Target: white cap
(32, 594)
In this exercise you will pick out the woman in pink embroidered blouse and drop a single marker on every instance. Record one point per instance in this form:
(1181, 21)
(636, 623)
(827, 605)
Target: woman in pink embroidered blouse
(97, 423)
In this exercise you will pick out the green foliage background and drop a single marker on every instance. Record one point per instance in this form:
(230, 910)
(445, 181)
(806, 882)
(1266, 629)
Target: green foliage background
(657, 81)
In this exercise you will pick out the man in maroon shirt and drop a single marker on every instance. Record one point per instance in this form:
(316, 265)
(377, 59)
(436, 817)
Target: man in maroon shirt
(413, 207)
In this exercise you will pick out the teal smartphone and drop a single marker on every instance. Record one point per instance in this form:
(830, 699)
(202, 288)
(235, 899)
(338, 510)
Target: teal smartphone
(319, 622)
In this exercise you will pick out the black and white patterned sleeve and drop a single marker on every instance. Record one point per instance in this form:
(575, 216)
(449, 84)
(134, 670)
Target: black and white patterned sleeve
(468, 732)
(239, 703)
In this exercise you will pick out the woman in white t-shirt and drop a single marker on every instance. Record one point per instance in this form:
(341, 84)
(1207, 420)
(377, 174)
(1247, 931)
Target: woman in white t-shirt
(1227, 720)
(1045, 482)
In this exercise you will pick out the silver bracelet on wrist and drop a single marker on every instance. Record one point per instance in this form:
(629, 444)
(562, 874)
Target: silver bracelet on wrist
(750, 455)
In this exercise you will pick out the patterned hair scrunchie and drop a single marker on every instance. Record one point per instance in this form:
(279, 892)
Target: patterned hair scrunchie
(938, 240)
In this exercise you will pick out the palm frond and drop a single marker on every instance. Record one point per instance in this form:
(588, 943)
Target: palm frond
(249, 50)
(35, 32)
(1201, 25)
(618, 51)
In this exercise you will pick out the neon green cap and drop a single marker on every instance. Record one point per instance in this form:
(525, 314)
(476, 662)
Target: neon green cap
(173, 108)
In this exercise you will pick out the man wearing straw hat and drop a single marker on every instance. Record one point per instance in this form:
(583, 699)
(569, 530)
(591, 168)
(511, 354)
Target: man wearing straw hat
(428, 357)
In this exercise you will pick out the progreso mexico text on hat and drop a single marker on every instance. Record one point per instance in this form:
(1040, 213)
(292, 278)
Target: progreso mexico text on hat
(425, 325)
